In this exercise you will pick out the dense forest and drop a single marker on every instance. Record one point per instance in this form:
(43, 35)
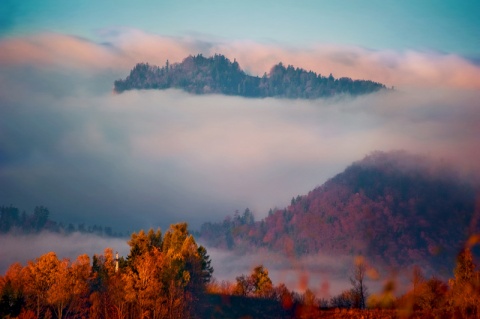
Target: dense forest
(217, 74)
(170, 276)
(395, 208)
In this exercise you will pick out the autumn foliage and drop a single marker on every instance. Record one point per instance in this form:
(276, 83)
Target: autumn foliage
(170, 276)
(162, 277)
(395, 208)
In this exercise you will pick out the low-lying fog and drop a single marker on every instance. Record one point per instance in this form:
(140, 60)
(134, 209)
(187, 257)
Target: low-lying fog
(151, 158)
(325, 275)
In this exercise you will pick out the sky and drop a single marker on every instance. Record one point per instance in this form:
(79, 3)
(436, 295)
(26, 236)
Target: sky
(145, 159)
(428, 25)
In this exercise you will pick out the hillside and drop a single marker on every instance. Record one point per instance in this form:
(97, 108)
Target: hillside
(397, 209)
(217, 74)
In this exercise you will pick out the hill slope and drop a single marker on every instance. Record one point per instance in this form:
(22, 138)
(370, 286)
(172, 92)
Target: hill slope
(217, 74)
(395, 208)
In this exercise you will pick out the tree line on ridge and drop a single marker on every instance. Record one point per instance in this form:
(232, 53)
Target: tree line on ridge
(218, 75)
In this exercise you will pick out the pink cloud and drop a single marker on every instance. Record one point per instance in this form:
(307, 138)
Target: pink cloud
(46, 50)
(59, 50)
(402, 69)
(125, 47)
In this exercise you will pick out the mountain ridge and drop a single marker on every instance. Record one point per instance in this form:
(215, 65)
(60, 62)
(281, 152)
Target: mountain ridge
(218, 75)
(394, 208)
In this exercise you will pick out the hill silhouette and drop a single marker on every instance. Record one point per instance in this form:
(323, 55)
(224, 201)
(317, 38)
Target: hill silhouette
(395, 208)
(14, 221)
(218, 75)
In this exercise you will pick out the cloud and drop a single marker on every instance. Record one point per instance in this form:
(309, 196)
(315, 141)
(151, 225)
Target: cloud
(148, 158)
(22, 248)
(325, 275)
(296, 273)
(122, 48)
(55, 49)
(400, 69)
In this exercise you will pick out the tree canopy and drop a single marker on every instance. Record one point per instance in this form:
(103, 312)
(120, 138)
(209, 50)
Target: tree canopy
(217, 74)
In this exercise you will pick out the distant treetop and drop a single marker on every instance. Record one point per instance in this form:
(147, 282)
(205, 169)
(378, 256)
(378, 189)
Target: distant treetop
(218, 75)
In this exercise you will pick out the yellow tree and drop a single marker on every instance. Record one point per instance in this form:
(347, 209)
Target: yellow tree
(79, 277)
(175, 279)
(40, 277)
(70, 288)
(142, 277)
(59, 293)
(175, 236)
(261, 282)
(117, 297)
(186, 270)
(165, 275)
(193, 264)
(143, 287)
(142, 243)
(258, 284)
(465, 287)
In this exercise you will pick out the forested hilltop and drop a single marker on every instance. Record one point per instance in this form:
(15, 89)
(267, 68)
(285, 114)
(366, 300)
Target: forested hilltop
(396, 209)
(218, 75)
(14, 221)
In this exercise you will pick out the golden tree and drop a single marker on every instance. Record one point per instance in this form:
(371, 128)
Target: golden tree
(258, 284)
(143, 289)
(465, 286)
(165, 276)
(40, 276)
(60, 292)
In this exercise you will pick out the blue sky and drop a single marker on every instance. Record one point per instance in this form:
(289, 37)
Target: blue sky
(444, 26)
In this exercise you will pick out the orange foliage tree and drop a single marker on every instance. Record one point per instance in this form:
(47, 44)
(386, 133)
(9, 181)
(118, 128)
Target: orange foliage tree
(464, 297)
